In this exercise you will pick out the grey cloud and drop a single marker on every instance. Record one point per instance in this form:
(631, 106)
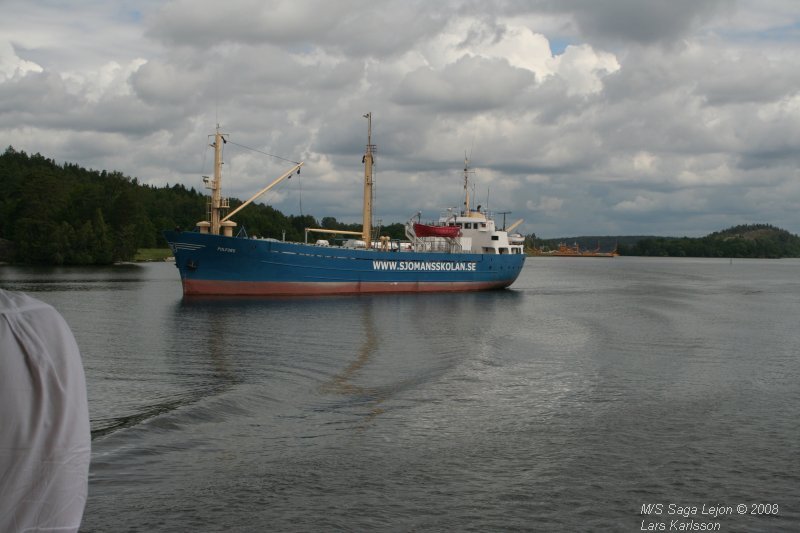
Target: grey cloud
(33, 94)
(633, 21)
(683, 138)
(645, 22)
(354, 27)
(470, 84)
(42, 100)
(752, 77)
(159, 83)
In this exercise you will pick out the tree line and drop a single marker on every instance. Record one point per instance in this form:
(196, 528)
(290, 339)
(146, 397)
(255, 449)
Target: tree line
(64, 214)
(743, 241)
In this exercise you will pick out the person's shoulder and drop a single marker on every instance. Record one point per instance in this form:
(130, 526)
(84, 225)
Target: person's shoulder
(19, 302)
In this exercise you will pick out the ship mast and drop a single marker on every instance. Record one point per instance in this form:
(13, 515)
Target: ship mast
(467, 172)
(217, 203)
(368, 161)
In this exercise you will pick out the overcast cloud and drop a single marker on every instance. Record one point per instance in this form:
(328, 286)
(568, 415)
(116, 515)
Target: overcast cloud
(582, 117)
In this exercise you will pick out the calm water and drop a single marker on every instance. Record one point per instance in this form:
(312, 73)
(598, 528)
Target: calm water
(592, 388)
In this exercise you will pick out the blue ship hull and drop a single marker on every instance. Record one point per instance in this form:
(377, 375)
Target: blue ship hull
(219, 265)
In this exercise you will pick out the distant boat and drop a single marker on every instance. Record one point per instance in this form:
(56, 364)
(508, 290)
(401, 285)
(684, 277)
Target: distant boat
(461, 251)
(565, 250)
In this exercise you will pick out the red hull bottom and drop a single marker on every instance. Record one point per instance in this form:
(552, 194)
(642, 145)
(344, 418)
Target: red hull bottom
(256, 288)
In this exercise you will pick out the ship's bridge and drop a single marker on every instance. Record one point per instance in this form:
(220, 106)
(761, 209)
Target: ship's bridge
(479, 234)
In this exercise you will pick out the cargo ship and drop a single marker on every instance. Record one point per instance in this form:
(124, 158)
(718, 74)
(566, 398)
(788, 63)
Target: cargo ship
(461, 251)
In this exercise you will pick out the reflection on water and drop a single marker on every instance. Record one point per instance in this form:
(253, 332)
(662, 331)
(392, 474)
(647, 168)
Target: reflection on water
(342, 383)
(37, 279)
(677, 380)
(209, 326)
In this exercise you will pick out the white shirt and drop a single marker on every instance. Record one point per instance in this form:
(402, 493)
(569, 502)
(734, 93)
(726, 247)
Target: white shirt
(45, 439)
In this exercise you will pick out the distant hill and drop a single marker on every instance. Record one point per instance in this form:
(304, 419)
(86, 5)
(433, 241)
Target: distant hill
(752, 232)
(750, 240)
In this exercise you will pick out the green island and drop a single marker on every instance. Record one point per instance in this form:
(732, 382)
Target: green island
(64, 214)
(742, 241)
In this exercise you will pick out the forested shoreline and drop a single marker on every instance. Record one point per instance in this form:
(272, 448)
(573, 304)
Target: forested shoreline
(64, 214)
(743, 241)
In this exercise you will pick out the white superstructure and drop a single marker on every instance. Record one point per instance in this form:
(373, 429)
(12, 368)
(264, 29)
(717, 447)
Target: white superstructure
(476, 233)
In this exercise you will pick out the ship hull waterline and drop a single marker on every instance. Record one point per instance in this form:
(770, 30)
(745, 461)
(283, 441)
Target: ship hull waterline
(214, 265)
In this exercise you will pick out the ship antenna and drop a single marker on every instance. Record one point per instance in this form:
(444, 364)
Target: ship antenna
(466, 184)
(504, 213)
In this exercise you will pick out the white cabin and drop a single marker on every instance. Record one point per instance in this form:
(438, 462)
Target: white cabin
(477, 234)
(480, 235)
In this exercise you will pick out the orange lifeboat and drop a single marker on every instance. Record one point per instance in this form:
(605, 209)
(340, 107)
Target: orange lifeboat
(425, 230)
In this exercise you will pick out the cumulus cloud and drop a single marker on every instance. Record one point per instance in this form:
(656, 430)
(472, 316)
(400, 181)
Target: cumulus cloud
(616, 117)
(11, 65)
(110, 79)
(583, 68)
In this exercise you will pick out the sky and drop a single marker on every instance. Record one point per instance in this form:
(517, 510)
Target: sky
(620, 117)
